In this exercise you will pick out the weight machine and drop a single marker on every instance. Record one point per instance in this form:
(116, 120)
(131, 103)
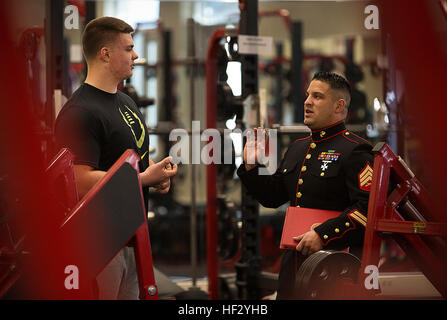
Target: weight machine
(402, 212)
(93, 230)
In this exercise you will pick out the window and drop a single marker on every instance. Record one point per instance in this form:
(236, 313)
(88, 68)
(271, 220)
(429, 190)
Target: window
(133, 11)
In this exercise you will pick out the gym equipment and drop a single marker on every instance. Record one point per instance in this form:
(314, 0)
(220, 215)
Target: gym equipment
(320, 274)
(251, 282)
(61, 176)
(408, 214)
(142, 102)
(104, 221)
(211, 169)
(228, 231)
(400, 209)
(249, 279)
(11, 244)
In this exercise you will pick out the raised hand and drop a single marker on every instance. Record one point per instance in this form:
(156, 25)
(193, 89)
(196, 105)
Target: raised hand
(254, 148)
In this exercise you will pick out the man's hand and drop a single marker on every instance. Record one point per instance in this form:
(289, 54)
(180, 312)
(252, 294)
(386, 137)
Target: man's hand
(253, 148)
(164, 186)
(308, 243)
(158, 175)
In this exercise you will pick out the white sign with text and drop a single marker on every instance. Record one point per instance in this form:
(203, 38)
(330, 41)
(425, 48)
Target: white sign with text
(255, 45)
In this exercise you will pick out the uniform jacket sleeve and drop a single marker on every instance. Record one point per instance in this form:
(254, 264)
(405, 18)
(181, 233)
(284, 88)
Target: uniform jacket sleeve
(269, 190)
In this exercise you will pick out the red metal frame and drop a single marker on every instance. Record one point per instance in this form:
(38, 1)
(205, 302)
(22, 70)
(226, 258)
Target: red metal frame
(10, 251)
(384, 215)
(211, 169)
(63, 165)
(283, 13)
(142, 244)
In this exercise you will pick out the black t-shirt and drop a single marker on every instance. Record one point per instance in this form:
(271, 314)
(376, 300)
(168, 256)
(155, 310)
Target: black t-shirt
(98, 127)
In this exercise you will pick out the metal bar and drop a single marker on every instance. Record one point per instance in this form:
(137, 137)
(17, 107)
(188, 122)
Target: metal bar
(193, 217)
(278, 89)
(248, 268)
(211, 169)
(144, 264)
(431, 265)
(166, 112)
(410, 227)
(53, 48)
(394, 200)
(296, 68)
(376, 210)
(62, 166)
(282, 13)
(437, 244)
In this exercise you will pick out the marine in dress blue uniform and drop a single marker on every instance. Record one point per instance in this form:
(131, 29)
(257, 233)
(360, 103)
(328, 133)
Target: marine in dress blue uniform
(331, 169)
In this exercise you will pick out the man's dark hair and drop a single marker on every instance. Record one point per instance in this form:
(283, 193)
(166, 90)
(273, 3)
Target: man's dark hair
(101, 32)
(336, 82)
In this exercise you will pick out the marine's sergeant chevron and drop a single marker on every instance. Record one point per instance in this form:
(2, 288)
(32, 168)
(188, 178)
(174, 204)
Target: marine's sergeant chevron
(331, 169)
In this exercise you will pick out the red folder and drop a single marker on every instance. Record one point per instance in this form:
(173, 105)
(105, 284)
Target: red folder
(299, 221)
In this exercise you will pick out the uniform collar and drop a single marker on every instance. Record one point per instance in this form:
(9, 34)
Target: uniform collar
(329, 131)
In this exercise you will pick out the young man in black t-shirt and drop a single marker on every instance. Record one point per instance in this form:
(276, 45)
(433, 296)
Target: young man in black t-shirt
(99, 123)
